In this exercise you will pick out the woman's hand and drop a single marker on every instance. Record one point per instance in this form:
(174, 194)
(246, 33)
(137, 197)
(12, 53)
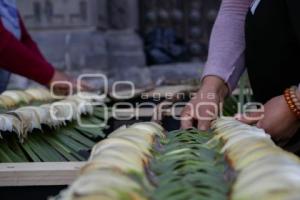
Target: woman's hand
(203, 108)
(277, 120)
(61, 84)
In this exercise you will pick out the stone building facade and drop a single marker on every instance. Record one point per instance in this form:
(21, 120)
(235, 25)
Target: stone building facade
(103, 36)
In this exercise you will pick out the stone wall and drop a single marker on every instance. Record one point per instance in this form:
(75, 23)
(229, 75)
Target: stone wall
(191, 19)
(93, 36)
(77, 36)
(49, 14)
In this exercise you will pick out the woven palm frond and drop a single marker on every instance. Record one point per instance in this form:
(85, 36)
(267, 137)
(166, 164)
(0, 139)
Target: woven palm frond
(143, 163)
(33, 134)
(15, 98)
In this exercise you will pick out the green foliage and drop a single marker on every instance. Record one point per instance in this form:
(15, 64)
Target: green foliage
(187, 169)
(230, 107)
(69, 143)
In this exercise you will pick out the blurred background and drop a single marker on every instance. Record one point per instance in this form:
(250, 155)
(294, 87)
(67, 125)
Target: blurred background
(145, 41)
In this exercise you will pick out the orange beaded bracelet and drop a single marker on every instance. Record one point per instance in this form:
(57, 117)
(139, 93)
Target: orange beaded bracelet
(292, 100)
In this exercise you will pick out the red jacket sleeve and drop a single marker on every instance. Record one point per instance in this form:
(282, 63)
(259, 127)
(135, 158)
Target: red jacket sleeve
(23, 57)
(28, 41)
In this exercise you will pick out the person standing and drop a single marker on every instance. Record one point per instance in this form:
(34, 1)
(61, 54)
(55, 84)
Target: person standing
(262, 36)
(19, 53)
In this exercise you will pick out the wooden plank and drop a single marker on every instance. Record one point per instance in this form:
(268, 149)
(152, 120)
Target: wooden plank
(39, 174)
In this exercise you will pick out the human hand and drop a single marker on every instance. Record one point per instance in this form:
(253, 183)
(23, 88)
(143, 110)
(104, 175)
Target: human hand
(204, 107)
(61, 84)
(277, 119)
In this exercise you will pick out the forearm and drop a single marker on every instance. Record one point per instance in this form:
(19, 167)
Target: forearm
(28, 41)
(17, 58)
(227, 43)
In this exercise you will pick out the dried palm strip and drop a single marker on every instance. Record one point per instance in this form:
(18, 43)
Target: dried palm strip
(265, 171)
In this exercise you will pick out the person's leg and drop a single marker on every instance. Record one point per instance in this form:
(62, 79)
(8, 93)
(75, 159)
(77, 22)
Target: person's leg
(4, 79)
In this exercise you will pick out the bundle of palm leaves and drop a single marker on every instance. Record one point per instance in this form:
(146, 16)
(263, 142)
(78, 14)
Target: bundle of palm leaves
(14, 98)
(186, 168)
(264, 171)
(236, 162)
(116, 169)
(140, 162)
(50, 132)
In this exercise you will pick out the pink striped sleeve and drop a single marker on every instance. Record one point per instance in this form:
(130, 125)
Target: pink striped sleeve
(227, 42)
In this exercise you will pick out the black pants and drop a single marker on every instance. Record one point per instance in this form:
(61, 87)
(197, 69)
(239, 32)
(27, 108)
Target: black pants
(273, 52)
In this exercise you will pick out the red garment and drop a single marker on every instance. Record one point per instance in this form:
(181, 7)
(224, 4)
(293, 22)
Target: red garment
(23, 57)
